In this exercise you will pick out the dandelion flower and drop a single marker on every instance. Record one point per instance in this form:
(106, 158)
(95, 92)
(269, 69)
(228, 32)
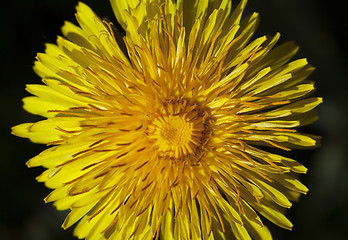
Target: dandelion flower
(166, 131)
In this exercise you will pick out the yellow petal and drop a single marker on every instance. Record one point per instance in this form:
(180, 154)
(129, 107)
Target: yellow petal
(76, 35)
(76, 214)
(120, 7)
(39, 106)
(40, 136)
(274, 216)
(299, 107)
(167, 227)
(258, 232)
(58, 155)
(276, 195)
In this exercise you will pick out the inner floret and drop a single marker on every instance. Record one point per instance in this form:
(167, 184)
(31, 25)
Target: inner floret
(176, 131)
(179, 129)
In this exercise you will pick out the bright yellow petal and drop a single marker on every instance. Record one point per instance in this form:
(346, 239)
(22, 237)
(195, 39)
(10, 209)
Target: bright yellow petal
(120, 8)
(39, 106)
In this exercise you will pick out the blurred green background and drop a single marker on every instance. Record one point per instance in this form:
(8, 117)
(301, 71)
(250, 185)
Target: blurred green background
(317, 26)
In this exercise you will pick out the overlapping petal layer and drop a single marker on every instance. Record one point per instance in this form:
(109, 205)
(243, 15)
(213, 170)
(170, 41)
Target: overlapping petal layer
(162, 133)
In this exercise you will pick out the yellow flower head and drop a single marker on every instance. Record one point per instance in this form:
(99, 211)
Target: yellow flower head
(164, 132)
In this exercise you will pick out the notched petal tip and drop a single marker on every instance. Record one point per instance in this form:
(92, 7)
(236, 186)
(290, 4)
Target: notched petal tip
(21, 130)
(29, 164)
(33, 162)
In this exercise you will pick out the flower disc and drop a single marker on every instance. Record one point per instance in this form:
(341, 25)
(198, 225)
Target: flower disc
(179, 130)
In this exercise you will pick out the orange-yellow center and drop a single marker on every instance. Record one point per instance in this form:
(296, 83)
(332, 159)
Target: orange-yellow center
(178, 130)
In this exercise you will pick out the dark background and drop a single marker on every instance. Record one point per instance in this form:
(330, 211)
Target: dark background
(317, 26)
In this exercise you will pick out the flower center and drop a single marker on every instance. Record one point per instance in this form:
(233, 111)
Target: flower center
(176, 131)
(179, 129)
